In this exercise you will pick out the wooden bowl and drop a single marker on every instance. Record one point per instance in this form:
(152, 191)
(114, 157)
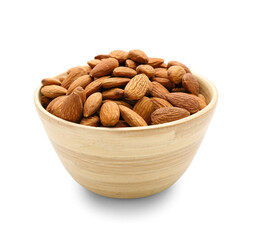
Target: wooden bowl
(129, 162)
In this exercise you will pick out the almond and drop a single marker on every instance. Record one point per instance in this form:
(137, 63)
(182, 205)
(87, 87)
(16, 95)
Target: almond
(137, 87)
(146, 69)
(168, 114)
(92, 121)
(144, 107)
(184, 100)
(94, 86)
(131, 117)
(131, 102)
(164, 82)
(61, 79)
(160, 103)
(69, 107)
(201, 101)
(45, 101)
(50, 81)
(87, 69)
(178, 89)
(175, 63)
(105, 67)
(121, 123)
(163, 65)
(201, 96)
(82, 81)
(161, 72)
(115, 82)
(158, 90)
(102, 78)
(53, 91)
(190, 83)
(80, 91)
(73, 75)
(93, 63)
(56, 101)
(109, 114)
(155, 62)
(102, 56)
(131, 64)
(124, 72)
(92, 104)
(119, 102)
(176, 73)
(120, 55)
(114, 93)
(138, 56)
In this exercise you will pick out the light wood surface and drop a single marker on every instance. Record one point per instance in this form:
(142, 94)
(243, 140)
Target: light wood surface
(129, 162)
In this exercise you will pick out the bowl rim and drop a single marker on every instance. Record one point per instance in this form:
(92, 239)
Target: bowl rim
(200, 113)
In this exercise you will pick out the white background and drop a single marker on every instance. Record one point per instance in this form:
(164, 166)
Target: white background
(215, 199)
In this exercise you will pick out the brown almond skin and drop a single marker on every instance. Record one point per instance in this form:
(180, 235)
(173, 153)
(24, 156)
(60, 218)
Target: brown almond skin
(119, 102)
(50, 81)
(69, 107)
(105, 67)
(82, 81)
(201, 96)
(56, 101)
(80, 91)
(164, 82)
(61, 79)
(161, 72)
(121, 123)
(93, 121)
(155, 62)
(131, 117)
(158, 90)
(73, 75)
(176, 73)
(94, 86)
(168, 114)
(102, 56)
(115, 82)
(138, 56)
(184, 100)
(120, 55)
(131, 64)
(178, 89)
(175, 63)
(92, 104)
(124, 72)
(137, 87)
(85, 69)
(131, 102)
(45, 101)
(201, 101)
(114, 93)
(160, 103)
(190, 83)
(146, 69)
(53, 91)
(93, 63)
(163, 65)
(144, 107)
(109, 114)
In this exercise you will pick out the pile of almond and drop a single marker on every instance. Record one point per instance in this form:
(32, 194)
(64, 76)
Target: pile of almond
(123, 89)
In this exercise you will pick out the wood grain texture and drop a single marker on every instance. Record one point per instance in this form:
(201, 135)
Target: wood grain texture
(129, 162)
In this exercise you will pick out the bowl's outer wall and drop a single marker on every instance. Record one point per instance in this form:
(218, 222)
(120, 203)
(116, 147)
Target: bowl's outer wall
(127, 164)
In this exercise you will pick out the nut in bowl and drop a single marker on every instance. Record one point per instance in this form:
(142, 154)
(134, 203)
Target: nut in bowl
(136, 136)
